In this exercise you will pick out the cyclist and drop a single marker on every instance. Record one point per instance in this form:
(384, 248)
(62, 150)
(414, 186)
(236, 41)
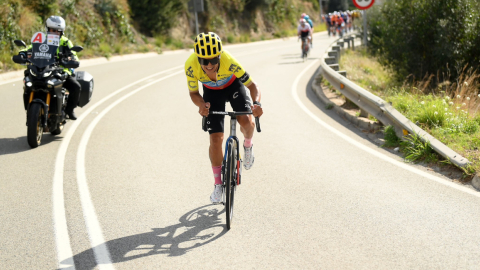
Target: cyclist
(328, 22)
(56, 25)
(309, 21)
(304, 31)
(223, 79)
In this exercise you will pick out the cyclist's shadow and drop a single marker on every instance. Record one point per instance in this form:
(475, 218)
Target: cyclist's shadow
(196, 228)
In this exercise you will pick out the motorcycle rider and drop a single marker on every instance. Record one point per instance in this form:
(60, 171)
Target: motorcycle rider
(56, 25)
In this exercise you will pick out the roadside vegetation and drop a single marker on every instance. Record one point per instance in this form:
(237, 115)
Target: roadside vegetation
(450, 112)
(116, 27)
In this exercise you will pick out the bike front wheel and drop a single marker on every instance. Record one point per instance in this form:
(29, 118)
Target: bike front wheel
(229, 181)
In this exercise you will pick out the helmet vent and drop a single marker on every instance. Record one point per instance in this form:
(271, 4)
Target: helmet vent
(201, 43)
(220, 47)
(213, 41)
(209, 52)
(214, 50)
(207, 39)
(203, 52)
(198, 51)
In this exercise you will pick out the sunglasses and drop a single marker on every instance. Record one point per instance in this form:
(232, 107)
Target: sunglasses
(204, 62)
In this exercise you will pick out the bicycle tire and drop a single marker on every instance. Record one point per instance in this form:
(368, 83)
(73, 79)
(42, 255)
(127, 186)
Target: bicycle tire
(229, 179)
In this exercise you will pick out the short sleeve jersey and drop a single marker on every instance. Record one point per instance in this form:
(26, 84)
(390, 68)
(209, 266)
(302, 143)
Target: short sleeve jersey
(228, 70)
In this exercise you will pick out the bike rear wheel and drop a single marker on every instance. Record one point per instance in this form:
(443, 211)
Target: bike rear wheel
(229, 180)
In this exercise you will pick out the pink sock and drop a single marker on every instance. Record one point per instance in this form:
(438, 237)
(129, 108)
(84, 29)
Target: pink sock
(217, 171)
(248, 142)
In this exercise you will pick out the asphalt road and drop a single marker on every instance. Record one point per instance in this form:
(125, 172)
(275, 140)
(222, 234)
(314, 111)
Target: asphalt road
(127, 185)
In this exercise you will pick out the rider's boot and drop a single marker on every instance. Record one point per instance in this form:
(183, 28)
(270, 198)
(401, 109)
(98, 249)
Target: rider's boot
(71, 114)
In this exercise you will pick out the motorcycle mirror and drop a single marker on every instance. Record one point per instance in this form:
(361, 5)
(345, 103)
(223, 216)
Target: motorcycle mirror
(20, 43)
(77, 48)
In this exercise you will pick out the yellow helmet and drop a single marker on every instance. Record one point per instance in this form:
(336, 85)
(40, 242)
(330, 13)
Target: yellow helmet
(207, 45)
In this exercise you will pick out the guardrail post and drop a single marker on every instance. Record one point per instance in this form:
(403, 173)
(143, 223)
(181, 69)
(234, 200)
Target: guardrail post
(353, 43)
(341, 44)
(330, 60)
(338, 49)
(335, 54)
(343, 72)
(348, 42)
(335, 67)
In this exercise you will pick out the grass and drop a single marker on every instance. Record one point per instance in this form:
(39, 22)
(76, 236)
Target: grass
(450, 113)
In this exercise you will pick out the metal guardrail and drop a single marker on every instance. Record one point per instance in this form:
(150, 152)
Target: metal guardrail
(376, 106)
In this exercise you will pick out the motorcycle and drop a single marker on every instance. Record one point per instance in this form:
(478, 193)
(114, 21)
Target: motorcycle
(44, 79)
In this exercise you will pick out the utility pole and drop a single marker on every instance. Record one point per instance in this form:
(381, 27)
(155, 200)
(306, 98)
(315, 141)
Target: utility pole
(195, 6)
(364, 27)
(321, 9)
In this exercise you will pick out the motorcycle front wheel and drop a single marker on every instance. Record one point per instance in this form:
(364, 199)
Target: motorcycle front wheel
(34, 123)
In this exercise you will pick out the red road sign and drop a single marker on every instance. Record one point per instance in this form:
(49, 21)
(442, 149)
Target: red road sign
(363, 4)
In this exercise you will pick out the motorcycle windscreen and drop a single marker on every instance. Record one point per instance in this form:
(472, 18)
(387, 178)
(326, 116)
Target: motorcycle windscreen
(44, 49)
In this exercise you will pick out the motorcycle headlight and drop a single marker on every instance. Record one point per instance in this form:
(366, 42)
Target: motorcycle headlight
(33, 73)
(47, 74)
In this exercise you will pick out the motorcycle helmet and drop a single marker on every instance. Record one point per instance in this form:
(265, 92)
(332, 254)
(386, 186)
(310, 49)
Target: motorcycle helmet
(55, 22)
(207, 45)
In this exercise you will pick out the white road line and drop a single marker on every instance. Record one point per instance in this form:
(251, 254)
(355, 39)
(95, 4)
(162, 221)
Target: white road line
(62, 240)
(370, 150)
(94, 229)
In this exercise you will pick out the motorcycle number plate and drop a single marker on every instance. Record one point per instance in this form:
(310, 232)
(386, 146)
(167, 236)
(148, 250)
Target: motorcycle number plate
(53, 39)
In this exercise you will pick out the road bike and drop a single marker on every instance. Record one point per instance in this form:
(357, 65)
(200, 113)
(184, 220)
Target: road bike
(232, 162)
(305, 48)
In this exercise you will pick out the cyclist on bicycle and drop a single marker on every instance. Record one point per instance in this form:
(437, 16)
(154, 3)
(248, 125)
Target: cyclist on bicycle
(304, 32)
(223, 79)
(309, 21)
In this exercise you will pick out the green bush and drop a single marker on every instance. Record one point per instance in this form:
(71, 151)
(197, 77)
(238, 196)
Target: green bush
(391, 139)
(420, 37)
(417, 150)
(155, 16)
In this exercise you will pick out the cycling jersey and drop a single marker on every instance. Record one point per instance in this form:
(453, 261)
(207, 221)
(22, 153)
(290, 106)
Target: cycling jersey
(304, 29)
(228, 70)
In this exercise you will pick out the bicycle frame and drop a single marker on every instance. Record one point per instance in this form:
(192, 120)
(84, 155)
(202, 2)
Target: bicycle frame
(231, 172)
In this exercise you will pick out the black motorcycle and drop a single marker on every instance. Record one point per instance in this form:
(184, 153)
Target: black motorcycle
(44, 79)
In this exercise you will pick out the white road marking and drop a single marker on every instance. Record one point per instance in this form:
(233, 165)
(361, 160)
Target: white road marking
(370, 150)
(62, 240)
(94, 229)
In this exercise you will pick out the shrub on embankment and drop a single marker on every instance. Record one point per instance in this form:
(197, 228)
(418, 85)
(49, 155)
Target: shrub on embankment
(420, 38)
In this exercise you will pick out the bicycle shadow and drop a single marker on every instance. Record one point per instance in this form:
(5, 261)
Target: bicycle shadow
(197, 227)
(20, 144)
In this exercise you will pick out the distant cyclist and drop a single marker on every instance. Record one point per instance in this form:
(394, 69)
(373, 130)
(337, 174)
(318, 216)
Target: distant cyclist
(304, 32)
(328, 22)
(223, 79)
(309, 21)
